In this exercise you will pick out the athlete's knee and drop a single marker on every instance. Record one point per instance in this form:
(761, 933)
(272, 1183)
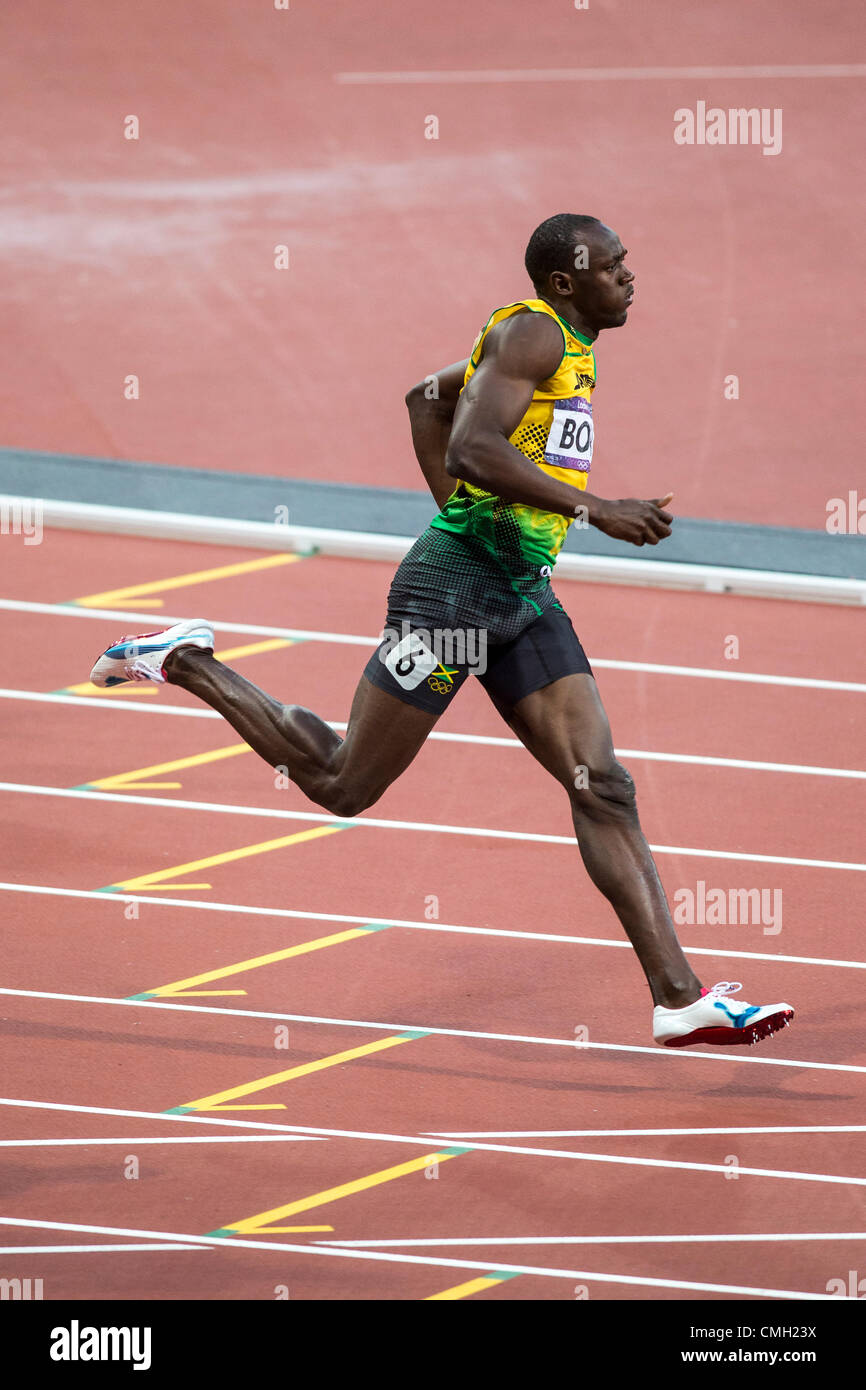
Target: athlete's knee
(315, 761)
(604, 792)
(347, 803)
(347, 799)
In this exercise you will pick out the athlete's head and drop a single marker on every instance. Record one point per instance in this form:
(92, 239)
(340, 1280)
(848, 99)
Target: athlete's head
(577, 260)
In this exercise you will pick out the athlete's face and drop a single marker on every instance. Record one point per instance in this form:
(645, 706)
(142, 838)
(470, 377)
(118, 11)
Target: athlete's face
(602, 286)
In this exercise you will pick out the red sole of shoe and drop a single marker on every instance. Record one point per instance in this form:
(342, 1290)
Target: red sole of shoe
(732, 1037)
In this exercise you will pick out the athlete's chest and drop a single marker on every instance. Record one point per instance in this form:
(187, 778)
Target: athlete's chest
(577, 373)
(569, 424)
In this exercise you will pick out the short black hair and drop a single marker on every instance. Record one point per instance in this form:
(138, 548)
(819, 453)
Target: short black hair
(551, 246)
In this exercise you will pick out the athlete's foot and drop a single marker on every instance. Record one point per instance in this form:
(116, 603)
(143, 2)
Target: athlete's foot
(143, 657)
(718, 1020)
(672, 996)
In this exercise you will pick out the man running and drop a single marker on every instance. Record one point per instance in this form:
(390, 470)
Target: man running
(505, 441)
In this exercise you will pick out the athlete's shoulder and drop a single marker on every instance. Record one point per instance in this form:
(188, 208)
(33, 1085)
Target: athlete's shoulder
(523, 340)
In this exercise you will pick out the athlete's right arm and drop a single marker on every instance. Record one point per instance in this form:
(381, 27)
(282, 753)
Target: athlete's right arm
(519, 353)
(431, 406)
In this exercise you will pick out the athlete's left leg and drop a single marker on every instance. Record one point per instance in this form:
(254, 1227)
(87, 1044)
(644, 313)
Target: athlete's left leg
(345, 775)
(565, 727)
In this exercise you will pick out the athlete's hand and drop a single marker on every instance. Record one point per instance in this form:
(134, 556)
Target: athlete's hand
(640, 523)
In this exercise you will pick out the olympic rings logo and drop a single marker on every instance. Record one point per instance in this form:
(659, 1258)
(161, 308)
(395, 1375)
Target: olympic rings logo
(441, 687)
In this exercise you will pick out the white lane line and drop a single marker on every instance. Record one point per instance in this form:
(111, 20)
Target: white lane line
(631, 1161)
(523, 1151)
(434, 1031)
(94, 702)
(164, 1139)
(348, 639)
(477, 740)
(292, 913)
(640, 1133)
(484, 76)
(161, 1117)
(70, 610)
(378, 823)
(738, 764)
(335, 1252)
(752, 1238)
(89, 1249)
(654, 668)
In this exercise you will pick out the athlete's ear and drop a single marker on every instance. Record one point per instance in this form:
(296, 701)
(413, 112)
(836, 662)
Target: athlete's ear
(562, 283)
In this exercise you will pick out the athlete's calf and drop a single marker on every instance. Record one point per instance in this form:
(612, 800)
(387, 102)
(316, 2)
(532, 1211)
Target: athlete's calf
(344, 775)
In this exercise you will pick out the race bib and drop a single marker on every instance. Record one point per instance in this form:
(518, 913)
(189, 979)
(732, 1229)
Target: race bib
(411, 662)
(569, 442)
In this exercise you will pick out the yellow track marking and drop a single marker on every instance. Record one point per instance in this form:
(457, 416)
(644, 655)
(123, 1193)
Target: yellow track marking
(127, 689)
(254, 962)
(220, 1100)
(299, 1229)
(488, 1281)
(261, 1222)
(272, 644)
(182, 581)
(141, 776)
(153, 882)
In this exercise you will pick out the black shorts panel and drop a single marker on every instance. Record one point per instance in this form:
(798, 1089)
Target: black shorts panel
(416, 677)
(543, 653)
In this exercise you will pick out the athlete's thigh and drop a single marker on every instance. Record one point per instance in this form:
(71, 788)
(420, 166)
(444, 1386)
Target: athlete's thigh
(565, 726)
(542, 685)
(383, 736)
(408, 683)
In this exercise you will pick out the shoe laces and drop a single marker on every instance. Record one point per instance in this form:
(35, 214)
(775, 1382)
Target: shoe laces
(139, 670)
(726, 987)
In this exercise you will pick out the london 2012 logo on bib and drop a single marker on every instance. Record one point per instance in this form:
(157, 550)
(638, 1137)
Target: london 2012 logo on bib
(570, 438)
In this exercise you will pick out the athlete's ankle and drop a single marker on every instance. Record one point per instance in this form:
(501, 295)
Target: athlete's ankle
(183, 660)
(675, 995)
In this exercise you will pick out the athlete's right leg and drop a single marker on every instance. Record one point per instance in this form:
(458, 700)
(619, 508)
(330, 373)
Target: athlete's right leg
(344, 775)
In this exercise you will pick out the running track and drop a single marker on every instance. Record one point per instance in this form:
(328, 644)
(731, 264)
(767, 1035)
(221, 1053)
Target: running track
(458, 953)
(259, 128)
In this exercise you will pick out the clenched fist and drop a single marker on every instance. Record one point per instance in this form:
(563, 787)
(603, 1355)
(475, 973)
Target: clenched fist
(640, 523)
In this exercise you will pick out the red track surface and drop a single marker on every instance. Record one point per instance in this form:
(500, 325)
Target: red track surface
(90, 1051)
(158, 254)
(155, 257)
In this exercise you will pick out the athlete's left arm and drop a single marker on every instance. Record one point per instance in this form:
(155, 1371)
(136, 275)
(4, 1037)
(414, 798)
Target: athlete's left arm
(431, 405)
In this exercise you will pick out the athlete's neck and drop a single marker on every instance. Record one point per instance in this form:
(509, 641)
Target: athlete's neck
(567, 312)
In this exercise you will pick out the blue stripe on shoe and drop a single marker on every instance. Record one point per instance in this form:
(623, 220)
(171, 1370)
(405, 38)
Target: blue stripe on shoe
(122, 649)
(739, 1020)
(126, 647)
